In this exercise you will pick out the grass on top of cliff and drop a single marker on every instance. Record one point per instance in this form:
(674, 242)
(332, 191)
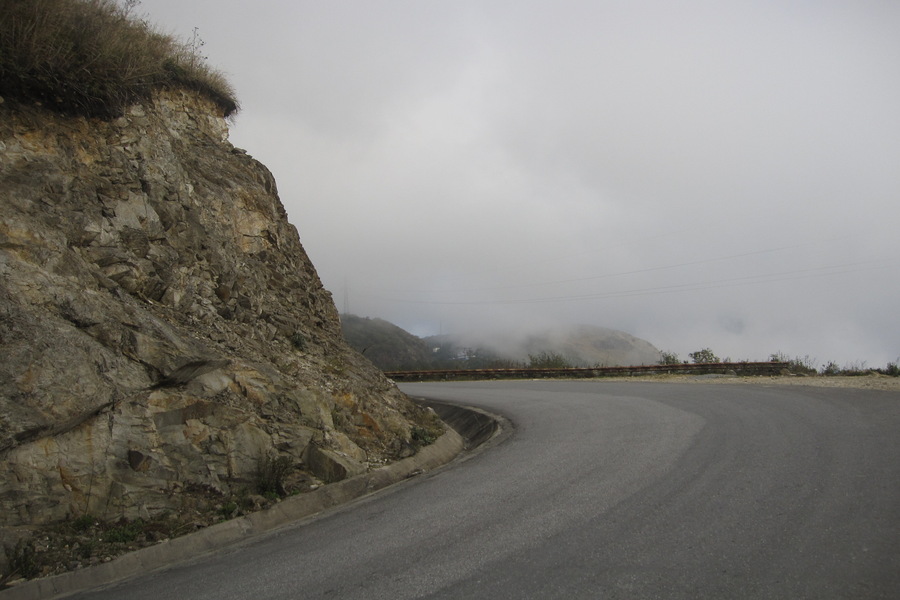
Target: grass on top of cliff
(94, 58)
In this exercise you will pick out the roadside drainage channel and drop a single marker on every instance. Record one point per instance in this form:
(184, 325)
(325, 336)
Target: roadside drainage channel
(469, 428)
(473, 424)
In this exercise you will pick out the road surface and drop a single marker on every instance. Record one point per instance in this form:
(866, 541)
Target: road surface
(606, 490)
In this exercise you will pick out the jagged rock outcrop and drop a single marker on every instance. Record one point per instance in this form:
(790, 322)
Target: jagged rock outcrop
(161, 327)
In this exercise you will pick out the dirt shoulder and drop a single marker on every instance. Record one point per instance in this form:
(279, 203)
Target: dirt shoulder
(866, 382)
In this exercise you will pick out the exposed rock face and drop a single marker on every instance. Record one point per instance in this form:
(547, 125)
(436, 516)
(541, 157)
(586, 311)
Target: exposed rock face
(161, 326)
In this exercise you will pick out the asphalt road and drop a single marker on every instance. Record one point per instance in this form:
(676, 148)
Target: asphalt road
(606, 490)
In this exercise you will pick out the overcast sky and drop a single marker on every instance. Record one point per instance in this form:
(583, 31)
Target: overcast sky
(699, 174)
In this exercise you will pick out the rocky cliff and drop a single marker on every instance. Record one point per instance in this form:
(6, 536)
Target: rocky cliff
(163, 332)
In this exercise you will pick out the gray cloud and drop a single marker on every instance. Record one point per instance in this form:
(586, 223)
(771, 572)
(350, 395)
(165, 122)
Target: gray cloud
(718, 174)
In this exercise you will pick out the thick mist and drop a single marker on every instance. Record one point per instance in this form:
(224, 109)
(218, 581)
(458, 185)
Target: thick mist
(700, 174)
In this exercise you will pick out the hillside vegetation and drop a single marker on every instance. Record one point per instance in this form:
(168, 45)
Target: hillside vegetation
(94, 58)
(389, 347)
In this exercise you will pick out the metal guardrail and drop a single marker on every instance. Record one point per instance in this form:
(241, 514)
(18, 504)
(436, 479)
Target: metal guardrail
(743, 368)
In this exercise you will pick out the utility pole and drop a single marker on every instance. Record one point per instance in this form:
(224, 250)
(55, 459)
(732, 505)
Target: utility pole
(346, 298)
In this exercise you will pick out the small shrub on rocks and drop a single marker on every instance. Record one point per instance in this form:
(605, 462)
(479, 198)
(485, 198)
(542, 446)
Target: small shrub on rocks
(22, 561)
(125, 532)
(422, 436)
(82, 523)
(270, 475)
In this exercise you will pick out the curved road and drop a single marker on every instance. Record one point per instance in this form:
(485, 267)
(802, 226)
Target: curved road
(606, 490)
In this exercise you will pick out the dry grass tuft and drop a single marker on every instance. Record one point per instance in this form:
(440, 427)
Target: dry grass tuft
(93, 58)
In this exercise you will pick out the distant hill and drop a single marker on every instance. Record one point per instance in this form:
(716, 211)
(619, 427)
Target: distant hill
(590, 345)
(391, 348)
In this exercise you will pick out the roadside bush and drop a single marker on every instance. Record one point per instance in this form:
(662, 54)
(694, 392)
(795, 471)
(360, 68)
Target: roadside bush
(93, 58)
(422, 437)
(704, 356)
(831, 368)
(669, 358)
(859, 368)
(548, 360)
(855, 369)
(798, 364)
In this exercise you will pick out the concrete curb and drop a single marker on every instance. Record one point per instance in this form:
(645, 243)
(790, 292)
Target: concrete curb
(289, 510)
